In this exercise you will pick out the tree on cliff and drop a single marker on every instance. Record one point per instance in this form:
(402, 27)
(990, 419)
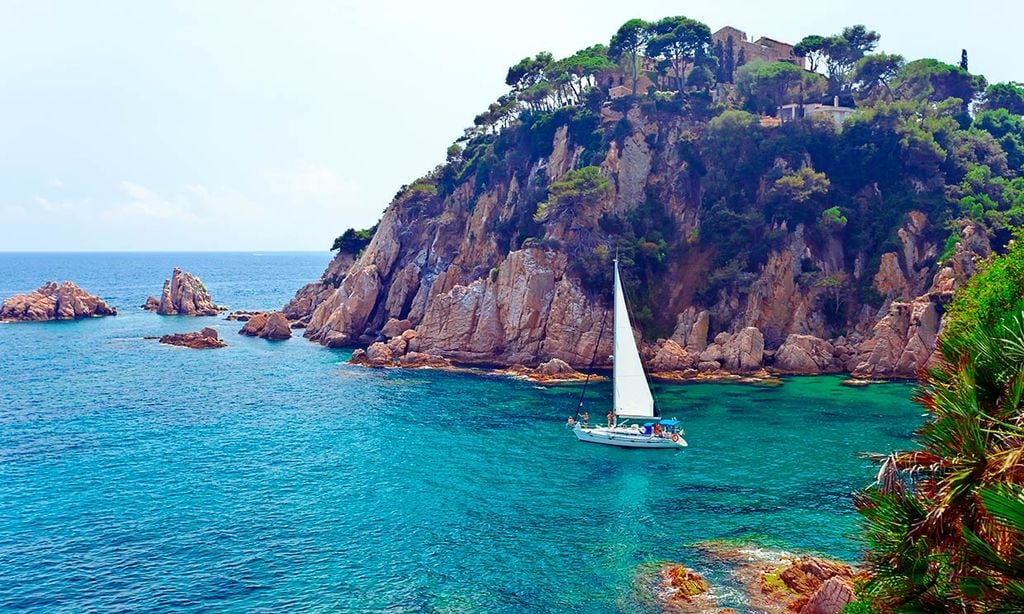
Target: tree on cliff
(944, 523)
(630, 42)
(1008, 130)
(575, 189)
(679, 41)
(935, 81)
(813, 49)
(873, 76)
(767, 86)
(353, 241)
(1009, 96)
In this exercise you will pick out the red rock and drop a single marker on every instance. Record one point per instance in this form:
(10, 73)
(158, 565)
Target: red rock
(53, 302)
(184, 294)
(204, 339)
(273, 326)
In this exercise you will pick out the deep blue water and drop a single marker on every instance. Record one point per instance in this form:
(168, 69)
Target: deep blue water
(270, 476)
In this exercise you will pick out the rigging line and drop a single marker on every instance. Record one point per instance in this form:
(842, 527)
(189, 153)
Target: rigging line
(593, 360)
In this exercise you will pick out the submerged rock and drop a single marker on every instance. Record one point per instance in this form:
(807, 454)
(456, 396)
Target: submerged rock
(52, 302)
(183, 294)
(204, 339)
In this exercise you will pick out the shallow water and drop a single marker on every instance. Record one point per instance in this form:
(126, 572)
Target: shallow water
(270, 476)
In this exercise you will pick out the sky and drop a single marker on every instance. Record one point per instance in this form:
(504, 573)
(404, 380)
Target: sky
(230, 125)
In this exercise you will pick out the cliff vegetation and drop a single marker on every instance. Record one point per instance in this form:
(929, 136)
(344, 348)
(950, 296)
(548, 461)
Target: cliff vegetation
(808, 211)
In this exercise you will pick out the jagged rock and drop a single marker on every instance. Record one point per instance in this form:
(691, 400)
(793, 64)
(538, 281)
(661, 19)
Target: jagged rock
(805, 354)
(378, 355)
(152, 304)
(831, 598)
(528, 308)
(243, 316)
(52, 302)
(273, 326)
(671, 356)
(395, 327)
(309, 297)
(683, 590)
(691, 330)
(889, 280)
(556, 367)
(708, 366)
(204, 339)
(743, 351)
(419, 360)
(902, 342)
(185, 295)
(399, 344)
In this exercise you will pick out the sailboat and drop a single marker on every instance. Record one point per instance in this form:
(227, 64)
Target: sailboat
(635, 424)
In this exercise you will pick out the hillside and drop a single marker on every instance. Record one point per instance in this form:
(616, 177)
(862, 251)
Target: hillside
(805, 245)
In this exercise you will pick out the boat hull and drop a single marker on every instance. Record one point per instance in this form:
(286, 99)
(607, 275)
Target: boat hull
(625, 438)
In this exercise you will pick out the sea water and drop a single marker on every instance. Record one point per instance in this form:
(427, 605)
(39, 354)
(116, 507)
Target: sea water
(271, 476)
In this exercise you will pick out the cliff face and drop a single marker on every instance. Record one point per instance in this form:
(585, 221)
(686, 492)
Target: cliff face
(462, 261)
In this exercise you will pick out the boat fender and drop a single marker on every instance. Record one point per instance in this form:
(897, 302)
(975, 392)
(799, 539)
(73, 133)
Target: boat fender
(675, 438)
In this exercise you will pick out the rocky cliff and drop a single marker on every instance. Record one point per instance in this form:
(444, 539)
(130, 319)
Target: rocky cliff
(500, 257)
(52, 302)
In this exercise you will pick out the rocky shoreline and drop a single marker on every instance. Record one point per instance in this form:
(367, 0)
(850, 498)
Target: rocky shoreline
(446, 265)
(770, 581)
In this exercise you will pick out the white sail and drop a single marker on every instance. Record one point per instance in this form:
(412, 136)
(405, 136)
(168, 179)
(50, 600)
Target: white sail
(632, 393)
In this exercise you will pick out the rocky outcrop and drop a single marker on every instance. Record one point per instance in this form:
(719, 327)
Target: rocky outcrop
(273, 326)
(528, 309)
(681, 589)
(769, 580)
(740, 352)
(670, 356)
(204, 339)
(903, 340)
(308, 298)
(52, 302)
(483, 280)
(185, 295)
(806, 354)
(806, 585)
(377, 355)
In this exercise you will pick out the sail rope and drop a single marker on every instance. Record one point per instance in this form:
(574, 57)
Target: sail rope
(593, 361)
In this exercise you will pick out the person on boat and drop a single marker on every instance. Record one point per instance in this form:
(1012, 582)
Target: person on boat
(657, 430)
(611, 419)
(586, 419)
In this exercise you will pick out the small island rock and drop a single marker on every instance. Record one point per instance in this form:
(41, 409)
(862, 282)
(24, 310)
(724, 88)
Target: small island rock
(52, 302)
(183, 294)
(273, 326)
(202, 340)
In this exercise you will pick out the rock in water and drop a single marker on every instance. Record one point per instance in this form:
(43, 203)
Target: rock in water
(52, 302)
(202, 340)
(273, 326)
(184, 294)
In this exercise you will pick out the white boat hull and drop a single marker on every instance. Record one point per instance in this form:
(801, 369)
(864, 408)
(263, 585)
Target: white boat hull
(626, 438)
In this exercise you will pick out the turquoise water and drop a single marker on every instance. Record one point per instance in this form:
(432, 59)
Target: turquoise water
(270, 476)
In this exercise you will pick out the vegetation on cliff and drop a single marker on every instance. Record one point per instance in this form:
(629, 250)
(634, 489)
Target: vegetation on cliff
(945, 522)
(734, 192)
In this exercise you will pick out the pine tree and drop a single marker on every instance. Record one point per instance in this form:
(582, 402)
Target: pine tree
(963, 59)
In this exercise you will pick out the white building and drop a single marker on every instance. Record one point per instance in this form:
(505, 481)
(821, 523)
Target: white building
(838, 114)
